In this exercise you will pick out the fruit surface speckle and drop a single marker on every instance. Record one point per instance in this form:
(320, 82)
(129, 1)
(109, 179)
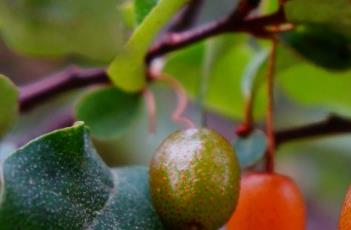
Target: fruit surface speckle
(194, 180)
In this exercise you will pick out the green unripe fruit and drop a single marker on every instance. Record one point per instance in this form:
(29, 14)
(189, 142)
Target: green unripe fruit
(194, 180)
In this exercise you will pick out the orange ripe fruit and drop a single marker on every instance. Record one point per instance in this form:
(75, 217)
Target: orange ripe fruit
(268, 202)
(345, 218)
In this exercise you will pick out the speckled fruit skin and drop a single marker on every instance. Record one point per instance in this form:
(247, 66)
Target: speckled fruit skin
(345, 218)
(194, 180)
(268, 202)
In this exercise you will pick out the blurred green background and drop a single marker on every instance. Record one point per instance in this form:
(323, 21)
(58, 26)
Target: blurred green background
(305, 93)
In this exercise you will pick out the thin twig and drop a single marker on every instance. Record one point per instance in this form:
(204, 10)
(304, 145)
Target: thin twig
(256, 26)
(246, 127)
(332, 126)
(175, 41)
(270, 109)
(68, 79)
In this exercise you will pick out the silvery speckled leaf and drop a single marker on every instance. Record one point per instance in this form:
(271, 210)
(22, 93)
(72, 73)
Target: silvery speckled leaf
(59, 182)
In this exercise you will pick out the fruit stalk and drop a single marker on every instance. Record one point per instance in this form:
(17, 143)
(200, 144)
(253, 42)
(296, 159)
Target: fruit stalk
(178, 114)
(150, 103)
(270, 109)
(246, 127)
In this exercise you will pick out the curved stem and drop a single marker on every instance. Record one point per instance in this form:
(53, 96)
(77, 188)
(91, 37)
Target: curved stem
(270, 109)
(178, 114)
(151, 109)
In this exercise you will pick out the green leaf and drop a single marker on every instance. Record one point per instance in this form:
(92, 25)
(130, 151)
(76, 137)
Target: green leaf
(321, 46)
(91, 28)
(250, 149)
(130, 206)
(127, 13)
(335, 14)
(8, 104)
(127, 71)
(58, 182)
(211, 51)
(318, 88)
(286, 58)
(269, 6)
(109, 112)
(143, 8)
(225, 76)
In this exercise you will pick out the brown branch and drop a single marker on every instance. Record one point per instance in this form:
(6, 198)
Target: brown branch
(174, 41)
(68, 79)
(255, 26)
(332, 126)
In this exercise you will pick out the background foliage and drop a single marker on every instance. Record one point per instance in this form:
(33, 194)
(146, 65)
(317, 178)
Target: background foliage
(313, 80)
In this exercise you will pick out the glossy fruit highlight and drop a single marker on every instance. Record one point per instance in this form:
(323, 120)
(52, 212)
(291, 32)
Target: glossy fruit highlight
(345, 218)
(194, 180)
(268, 202)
